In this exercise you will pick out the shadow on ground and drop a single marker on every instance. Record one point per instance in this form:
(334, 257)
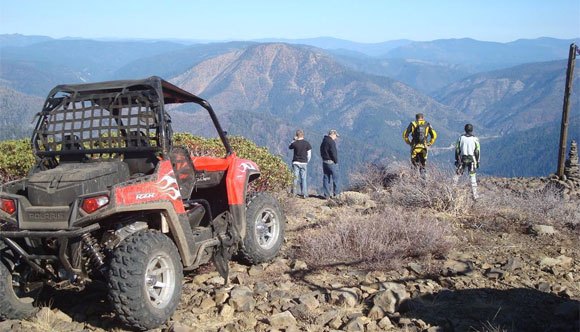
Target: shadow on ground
(480, 309)
(88, 306)
(486, 309)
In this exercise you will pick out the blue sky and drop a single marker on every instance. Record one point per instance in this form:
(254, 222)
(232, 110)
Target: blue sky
(362, 21)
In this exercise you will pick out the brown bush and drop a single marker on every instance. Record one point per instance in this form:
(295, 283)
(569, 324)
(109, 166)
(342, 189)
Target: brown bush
(437, 191)
(376, 240)
(404, 224)
(528, 208)
(497, 209)
(371, 178)
(408, 189)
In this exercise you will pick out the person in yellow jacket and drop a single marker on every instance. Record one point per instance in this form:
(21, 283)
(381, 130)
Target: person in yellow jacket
(422, 137)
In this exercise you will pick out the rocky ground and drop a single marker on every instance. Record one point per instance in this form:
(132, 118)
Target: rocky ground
(512, 278)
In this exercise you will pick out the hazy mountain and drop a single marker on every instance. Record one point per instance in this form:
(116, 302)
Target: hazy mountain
(36, 77)
(17, 112)
(7, 40)
(426, 66)
(172, 63)
(329, 43)
(422, 75)
(267, 91)
(308, 88)
(533, 152)
(479, 56)
(520, 108)
(429, 66)
(80, 60)
(513, 99)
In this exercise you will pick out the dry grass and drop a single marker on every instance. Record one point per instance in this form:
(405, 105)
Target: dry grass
(290, 207)
(43, 321)
(489, 327)
(439, 193)
(436, 192)
(528, 208)
(371, 178)
(414, 217)
(376, 240)
(402, 226)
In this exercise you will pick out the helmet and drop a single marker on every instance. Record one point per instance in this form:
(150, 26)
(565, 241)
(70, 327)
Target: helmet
(469, 128)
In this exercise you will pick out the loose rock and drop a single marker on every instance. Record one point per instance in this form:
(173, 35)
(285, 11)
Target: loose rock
(282, 320)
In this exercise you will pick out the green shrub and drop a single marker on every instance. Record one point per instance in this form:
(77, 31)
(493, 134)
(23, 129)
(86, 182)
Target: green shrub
(275, 174)
(16, 159)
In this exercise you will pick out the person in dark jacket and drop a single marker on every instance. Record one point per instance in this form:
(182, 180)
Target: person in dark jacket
(329, 154)
(302, 153)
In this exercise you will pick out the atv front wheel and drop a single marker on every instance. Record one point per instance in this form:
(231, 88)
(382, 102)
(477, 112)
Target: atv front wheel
(145, 279)
(15, 302)
(265, 228)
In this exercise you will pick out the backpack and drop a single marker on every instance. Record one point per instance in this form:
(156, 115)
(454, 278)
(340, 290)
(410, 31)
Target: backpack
(420, 133)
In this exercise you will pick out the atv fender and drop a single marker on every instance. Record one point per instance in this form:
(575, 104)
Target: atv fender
(178, 226)
(244, 171)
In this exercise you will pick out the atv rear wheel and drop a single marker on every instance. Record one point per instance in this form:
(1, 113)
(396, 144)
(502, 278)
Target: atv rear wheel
(15, 303)
(265, 228)
(145, 279)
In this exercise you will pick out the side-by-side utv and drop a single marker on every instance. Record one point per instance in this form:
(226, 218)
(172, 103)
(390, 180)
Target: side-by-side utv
(112, 200)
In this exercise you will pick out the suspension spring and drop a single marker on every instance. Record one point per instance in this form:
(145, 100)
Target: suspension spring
(92, 249)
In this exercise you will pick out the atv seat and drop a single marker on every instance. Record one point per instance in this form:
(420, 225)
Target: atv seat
(139, 162)
(195, 214)
(71, 144)
(183, 169)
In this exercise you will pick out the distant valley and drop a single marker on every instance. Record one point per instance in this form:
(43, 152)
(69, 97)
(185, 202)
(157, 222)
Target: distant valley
(369, 92)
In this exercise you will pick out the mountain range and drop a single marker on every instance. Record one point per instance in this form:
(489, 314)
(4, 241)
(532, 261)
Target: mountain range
(513, 99)
(264, 90)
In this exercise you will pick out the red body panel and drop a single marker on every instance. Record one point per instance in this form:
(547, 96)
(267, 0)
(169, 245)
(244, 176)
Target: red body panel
(236, 179)
(164, 187)
(238, 171)
(210, 164)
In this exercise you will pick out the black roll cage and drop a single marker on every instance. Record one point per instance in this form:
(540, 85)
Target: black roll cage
(153, 91)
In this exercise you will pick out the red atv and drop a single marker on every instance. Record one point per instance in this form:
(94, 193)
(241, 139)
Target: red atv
(112, 200)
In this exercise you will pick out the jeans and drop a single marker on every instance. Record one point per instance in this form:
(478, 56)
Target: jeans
(299, 171)
(330, 184)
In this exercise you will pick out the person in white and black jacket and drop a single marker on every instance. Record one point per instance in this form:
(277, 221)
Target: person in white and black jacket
(302, 153)
(329, 154)
(467, 153)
